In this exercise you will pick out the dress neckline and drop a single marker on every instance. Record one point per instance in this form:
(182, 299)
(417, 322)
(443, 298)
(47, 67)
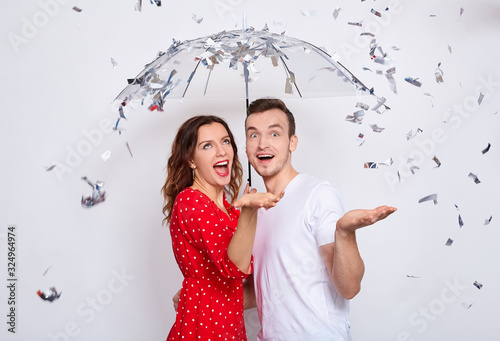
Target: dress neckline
(227, 206)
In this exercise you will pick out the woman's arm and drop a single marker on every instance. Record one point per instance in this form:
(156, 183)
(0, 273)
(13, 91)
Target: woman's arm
(240, 248)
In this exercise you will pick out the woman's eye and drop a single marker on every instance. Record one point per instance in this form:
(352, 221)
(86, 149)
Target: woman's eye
(226, 141)
(206, 146)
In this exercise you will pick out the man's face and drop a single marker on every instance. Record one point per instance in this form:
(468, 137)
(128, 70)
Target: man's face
(268, 146)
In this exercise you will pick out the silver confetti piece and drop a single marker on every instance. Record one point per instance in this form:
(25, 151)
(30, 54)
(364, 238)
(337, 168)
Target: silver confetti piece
(97, 196)
(436, 160)
(432, 197)
(49, 295)
(478, 285)
(449, 242)
(474, 177)
(414, 81)
(376, 128)
(356, 117)
(487, 149)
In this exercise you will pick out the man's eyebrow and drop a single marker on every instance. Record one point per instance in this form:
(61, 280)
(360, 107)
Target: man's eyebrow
(272, 126)
(275, 126)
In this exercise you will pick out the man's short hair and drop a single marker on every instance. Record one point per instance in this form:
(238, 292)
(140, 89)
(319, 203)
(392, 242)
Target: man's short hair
(264, 104)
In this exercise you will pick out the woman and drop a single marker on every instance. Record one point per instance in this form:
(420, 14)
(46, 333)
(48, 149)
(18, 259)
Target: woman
(212, 240)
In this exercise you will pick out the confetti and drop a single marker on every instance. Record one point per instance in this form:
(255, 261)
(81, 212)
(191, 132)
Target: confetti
(480, 99)
(413, 81)
(449, 48)
(466, 305)
(106, 155)
(48, 169)
(376, 128)
(130, 151)
(488, 221)
(360, 139)
(77, 9)
(47, 270)
(436, 160)
(478, 285)
(413, 169)
(461, 11)
(367, 34)
(49, 295)
(487, 149)
(474, 177)
(381, 102)
(196, 19)
(114, 63)
(460, 221)
(309, 13)
(138, 5)
(374, 165)
(156, 2)
(364, 106)
(390, 78)
(336, 12)
(395, 48)
(360, 24)
(438, 73)
(356, 117)
(411, 276)
(412, 134)
(432, 197)
(97, 196)
(120, 111)
(449, 242)
(377, 13)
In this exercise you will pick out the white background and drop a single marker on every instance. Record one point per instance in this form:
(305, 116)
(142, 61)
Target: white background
(57, 87)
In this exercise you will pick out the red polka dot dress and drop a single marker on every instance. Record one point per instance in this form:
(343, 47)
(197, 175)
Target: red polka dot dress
(211, 301)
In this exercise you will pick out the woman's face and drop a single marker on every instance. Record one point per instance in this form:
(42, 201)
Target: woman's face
(213, 156)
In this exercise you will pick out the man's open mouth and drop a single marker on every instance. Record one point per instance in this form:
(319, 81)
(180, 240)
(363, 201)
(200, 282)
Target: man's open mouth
(265, 157)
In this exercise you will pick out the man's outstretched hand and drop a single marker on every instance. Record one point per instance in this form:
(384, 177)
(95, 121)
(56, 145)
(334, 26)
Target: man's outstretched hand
(355, 219)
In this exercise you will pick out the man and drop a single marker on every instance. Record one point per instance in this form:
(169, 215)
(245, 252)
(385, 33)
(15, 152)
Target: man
(306, 260)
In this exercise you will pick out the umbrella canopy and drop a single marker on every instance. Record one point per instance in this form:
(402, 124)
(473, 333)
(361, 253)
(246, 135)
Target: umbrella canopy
(239, 64)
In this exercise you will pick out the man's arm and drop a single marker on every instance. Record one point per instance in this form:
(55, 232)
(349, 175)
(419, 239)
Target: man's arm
(342, 259)
(249, 293)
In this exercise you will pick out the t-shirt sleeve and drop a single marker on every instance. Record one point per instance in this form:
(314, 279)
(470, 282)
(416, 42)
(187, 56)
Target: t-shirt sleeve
(326, 207)
(202, 226)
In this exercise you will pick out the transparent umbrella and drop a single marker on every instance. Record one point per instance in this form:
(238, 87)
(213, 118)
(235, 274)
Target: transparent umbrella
(239, 64)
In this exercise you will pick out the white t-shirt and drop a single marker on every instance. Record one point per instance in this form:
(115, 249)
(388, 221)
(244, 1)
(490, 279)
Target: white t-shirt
(296, 300)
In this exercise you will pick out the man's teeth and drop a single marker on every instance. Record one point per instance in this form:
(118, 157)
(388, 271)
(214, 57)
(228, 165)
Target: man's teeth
(265, 157)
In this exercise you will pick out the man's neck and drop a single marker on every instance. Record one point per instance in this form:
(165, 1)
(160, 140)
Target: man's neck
(277, 183)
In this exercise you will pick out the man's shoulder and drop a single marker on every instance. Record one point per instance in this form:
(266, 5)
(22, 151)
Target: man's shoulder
(313, 182)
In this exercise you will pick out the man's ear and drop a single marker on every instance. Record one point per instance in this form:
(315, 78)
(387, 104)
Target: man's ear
(293, 143)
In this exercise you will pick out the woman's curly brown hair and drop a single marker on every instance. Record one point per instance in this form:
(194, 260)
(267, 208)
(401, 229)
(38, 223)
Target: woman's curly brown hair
(179, 173)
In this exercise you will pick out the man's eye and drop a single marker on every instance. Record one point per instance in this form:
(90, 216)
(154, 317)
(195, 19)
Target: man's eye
(253, 135)
(275, 134)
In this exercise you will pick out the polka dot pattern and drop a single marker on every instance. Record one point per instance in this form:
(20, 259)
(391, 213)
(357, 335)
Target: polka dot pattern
(211, 300)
